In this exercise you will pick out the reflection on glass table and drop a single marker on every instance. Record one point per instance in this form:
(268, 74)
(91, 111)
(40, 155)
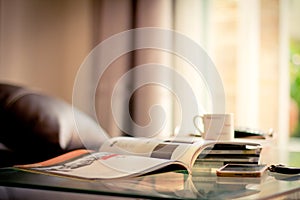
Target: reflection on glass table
(170, 185)
(18, 184)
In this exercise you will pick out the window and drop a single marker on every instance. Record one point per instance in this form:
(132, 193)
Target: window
(248, 41)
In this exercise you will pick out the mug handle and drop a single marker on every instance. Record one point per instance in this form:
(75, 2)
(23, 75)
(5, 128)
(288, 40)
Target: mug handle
(195, 119)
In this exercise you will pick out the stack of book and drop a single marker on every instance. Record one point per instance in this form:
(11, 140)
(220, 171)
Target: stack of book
(220, 154)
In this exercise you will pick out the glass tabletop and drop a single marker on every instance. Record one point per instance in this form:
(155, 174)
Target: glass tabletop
(168, 185)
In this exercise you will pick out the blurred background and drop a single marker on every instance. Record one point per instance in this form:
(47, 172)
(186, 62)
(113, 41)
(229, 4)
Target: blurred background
(255, 45)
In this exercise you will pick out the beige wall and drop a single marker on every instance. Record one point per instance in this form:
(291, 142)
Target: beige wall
(43, 43)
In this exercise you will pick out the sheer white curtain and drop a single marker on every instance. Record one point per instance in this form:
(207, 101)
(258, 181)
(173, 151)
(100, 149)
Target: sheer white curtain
(182, 16)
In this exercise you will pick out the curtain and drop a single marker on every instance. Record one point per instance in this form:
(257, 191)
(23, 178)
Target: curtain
(169, 15)
(112, 17)
(184, 18)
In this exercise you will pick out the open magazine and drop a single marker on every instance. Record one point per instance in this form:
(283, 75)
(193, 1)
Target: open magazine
(127, 157)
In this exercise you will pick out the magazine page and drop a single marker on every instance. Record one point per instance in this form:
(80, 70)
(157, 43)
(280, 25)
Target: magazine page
(154, 148)
(130, 145)
(102, 165)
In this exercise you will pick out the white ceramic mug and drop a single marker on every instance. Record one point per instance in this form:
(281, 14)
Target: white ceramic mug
(215, 126)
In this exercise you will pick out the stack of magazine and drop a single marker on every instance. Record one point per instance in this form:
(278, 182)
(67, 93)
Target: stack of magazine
(220, 154)
(122, 157)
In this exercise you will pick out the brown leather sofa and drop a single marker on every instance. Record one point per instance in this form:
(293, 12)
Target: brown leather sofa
(36, 127)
